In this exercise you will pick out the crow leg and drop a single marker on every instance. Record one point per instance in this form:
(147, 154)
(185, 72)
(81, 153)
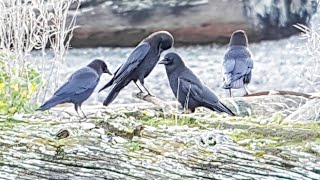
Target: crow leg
(230, 93)
(135, 82)
(85, 116)
(76, 108)
(142, 83)
(147, 90)
(246, 89)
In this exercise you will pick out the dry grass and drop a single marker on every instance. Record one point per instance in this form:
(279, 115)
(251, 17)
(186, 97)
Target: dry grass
(35, 24)
(311, 48)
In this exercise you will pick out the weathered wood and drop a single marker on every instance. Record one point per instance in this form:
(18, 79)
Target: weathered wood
(167, 106)
(265, 105)
(280, 92)
(100, 148)
(309, 111)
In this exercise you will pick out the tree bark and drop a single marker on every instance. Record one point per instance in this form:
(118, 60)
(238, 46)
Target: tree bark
(29, 150)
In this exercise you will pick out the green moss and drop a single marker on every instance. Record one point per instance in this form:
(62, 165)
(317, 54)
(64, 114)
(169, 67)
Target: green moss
(315, 126)
(274, 137)
(259, 154)
(277, 117)
(245, 135)
(133, 146)
(6, 125)
(170, 121)
(283, 143)
(9, 123)
(60, 153)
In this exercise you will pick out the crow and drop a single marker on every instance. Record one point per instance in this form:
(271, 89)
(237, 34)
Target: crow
(79, 86)
(139, 64)
(190, 91)
(237, 63)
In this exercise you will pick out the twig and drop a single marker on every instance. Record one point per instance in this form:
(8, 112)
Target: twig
(154, 100)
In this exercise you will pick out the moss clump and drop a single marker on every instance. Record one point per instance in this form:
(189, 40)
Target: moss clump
(9, 123)
(5, 125)
(245, 135)
(259, 154)
(270, 138)
(170, 121)
(277, 117)
(312, 126)
(133, 146)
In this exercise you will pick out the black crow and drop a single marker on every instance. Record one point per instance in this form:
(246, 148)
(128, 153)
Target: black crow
(190, 91)
(79, 86)
(237, 63)
(139, 64)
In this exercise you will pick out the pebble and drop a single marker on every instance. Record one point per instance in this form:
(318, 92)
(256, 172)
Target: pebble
(263, 121)
(244, 142)
(118, 139)
(100, 131)
(87, 126)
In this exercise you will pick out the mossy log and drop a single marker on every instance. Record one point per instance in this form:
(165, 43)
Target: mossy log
(114, 146)
(265, 103)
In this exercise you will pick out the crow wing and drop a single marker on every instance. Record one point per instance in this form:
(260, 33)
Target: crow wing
(236, 64)
(80, 81)
(135, 58)
(193, 87)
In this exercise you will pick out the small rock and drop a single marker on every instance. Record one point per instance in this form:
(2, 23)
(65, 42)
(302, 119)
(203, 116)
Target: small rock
(87, 126)
(244, 142)
(72, 118)
(100, 131)
(94, 134)
(99, 114)
(149, 114)
(107, 138)
(315, 148)
(120, 140)
(263, 121)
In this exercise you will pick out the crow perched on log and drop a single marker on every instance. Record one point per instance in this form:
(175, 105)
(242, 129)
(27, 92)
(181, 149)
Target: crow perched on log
(237, 63)
(79, 86)
(139, 64)
(190, 91)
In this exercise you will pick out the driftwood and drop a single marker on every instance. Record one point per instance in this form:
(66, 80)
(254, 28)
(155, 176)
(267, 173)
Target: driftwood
(143, 142)
(309, 111)
(265, 103)
(100, 149)
(280, 92)
(167, 106)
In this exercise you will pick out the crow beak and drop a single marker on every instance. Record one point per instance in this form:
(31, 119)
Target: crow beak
(107, 71)
(164, 61)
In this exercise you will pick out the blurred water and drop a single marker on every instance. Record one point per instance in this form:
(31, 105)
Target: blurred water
(276, 66)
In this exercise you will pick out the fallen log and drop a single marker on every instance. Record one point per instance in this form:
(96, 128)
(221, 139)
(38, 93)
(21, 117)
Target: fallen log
(266, 105)
(137, 142)
(280, 92)
(29, 150)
